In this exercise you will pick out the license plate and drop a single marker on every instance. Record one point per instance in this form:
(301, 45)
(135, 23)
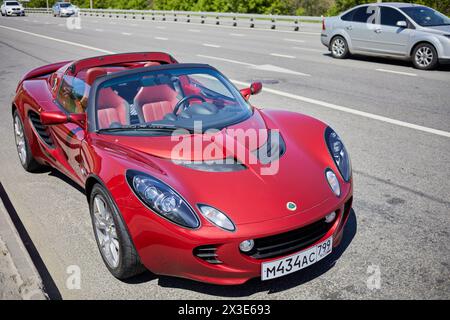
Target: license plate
(298, 261)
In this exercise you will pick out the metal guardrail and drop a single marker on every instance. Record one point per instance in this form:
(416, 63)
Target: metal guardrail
(231, 19)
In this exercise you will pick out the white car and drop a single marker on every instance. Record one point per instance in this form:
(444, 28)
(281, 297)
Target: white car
(64, 9)
(10, 8)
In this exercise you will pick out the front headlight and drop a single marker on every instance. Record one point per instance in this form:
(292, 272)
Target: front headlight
(338, 153)
(216, 217)
(162, 199)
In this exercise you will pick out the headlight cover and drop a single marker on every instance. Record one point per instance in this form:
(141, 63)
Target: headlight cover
(162, 199)
(333, 182)
(338, 153)
(216, 217)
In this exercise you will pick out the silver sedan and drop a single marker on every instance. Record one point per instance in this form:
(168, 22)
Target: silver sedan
(397, 30)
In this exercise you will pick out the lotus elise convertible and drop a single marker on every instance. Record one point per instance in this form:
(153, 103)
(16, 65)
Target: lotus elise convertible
(183, 176)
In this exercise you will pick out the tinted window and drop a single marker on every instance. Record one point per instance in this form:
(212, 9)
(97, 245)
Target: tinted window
(348, 16)
(390, 16)
(64, 5)
(426, 17)
(365, 14)
(12, 3)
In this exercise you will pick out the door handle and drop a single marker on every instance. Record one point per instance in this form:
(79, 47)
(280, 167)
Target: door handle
(377, 30)
(349, 28)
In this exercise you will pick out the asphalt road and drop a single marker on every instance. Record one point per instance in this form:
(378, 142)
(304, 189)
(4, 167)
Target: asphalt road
(395, 121)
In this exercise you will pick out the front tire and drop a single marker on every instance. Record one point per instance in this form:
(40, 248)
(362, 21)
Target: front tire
(23, 147)
(425, 57)
(113, 241)
(339, 48)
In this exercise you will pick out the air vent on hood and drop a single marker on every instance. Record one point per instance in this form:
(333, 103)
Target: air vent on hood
(273, 149)
(41, 130)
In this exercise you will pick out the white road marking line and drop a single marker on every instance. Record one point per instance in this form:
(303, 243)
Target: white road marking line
(264, 67)
(294, 40)
(227, 60)
(352, 111)
(99, 30)
(58, 40)
(161, 38)
(271, 68)
(237, 35)
(126, 33)
(211, 45)
(61, 25)
(282, 55)
(193, 30)
(309, 49)
(276, 92)
(35, 21)
(113, 23)
(398, 72)
(160, 27)
(25, 19)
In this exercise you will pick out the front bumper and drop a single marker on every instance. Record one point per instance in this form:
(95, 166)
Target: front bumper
(170, 251)
(15, 12)
(67, 14)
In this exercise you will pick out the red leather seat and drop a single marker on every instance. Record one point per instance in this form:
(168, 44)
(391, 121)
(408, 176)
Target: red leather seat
(152, 103)
(111, 108)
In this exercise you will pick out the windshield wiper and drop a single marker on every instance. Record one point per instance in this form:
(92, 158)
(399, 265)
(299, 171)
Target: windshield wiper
(140, 127)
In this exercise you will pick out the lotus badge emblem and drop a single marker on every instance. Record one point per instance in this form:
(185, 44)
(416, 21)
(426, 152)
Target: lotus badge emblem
(291, 206)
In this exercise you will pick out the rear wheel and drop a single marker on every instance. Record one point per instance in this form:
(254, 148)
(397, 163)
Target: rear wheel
(114, 243)
(23, 147)
(339, 48)
(425, 57)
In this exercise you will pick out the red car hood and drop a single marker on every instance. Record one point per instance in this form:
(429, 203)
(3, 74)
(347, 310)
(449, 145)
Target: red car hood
(251, 195)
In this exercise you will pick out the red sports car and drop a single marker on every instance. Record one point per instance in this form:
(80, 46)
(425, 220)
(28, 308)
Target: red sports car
(182, 175)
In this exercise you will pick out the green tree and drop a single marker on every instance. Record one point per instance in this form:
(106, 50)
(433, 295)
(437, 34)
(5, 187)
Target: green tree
(289, 7)
(440, 5)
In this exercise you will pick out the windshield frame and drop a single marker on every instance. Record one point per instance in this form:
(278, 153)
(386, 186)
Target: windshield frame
(97, 85)
(405, 9)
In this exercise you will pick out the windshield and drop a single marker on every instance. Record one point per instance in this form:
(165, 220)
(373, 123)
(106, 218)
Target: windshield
(64, 5)
(426, 17)
(12, 3)
(169, 98)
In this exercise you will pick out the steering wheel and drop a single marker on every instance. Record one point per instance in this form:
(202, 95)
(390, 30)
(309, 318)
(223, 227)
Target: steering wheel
(186, 99)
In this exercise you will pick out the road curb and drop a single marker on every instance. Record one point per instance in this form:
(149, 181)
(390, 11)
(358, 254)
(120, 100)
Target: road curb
(28, 282)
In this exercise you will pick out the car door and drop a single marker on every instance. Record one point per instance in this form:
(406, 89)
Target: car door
(359, 25)
(71, 97)
(390, 38)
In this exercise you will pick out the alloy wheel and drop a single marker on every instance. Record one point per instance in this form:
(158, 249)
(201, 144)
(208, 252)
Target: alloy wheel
(338, 47)
(424, 57)
(105, 230)
(20, 140)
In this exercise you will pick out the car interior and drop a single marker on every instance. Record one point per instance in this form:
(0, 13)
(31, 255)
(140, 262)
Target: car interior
(153, 98)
